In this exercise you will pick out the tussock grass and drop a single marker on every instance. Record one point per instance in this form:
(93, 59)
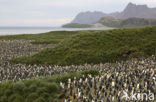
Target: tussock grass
(38, 89)
(95, 47)
(44, 38)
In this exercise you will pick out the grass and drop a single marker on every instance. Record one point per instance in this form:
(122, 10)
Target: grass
(75, 47)
(95, 47)
(45, 38)
(38, 89)
(77, 25)
(127, 23)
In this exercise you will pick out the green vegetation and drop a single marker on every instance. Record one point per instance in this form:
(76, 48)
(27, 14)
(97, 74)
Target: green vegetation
(45, 38)
(95, 47)
(130, 22)
(38, 89)
(76, 25)
(135, 22)
(154, 100)
(110, 22)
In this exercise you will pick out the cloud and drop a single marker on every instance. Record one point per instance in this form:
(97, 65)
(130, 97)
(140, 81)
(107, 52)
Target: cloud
(56, 12)
(33, 22)
(150, 3)
(56, 4)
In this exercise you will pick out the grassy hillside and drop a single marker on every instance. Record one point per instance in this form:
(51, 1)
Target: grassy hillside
(135, 22)
(110, 22)
(76, 25)
(130, 22)
(45, 38)
(38, 89)
(98, 47)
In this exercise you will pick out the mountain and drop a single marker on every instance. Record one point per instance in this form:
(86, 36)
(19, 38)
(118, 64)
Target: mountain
(88, 17)
(131, 10)
(110, 21)
(138, 11)
(135, 22)
(129, 22)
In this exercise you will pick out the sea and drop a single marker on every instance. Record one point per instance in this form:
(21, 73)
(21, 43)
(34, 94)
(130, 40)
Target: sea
(38, 30)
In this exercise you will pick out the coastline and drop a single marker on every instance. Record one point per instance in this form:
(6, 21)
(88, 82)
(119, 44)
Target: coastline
(37, 30)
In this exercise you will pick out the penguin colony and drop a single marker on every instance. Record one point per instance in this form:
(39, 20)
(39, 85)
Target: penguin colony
(136, 75)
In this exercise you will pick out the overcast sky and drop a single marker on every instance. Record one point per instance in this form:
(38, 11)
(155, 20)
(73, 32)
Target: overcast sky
(56, 12)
